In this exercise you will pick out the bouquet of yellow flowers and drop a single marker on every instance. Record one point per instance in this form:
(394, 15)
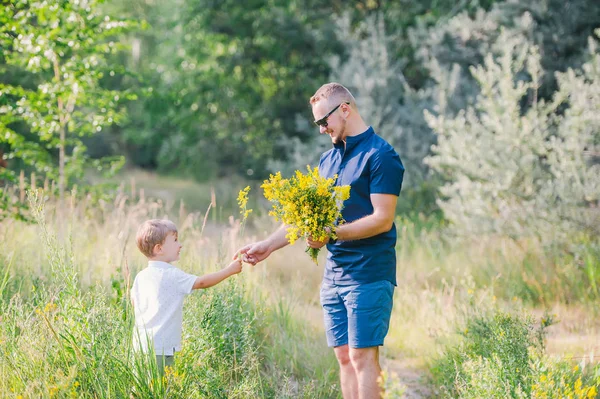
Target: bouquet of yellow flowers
(308, 203)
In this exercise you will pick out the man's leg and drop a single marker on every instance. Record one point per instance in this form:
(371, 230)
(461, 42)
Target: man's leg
(348, 378)
(365, 363)
(162, 362)
(369, 310)
(336, 331)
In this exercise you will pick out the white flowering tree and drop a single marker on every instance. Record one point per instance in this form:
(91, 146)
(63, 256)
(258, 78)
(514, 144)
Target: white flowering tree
(384, 97)
(517, 165)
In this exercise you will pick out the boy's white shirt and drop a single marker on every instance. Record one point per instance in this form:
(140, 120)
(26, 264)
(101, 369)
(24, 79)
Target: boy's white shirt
(158, 292)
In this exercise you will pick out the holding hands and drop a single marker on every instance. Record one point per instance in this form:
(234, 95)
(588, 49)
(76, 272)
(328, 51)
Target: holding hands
(254, 253)
(259, 251)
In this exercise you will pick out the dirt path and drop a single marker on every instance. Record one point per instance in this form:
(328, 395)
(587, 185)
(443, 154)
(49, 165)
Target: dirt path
(411, 374)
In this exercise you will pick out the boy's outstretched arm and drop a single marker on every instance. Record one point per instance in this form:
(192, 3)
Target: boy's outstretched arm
(208, 280)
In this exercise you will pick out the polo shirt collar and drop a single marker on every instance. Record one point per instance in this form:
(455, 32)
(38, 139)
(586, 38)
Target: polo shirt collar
(159, 264)
(353, 141)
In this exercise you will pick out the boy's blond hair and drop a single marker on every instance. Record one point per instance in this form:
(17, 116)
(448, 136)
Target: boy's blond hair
(153, 232)
(334, 94)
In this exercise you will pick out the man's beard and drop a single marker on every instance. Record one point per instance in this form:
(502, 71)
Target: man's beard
(340, 137)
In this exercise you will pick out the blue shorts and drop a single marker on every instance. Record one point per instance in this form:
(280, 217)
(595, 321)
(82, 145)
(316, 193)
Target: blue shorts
(357, 315)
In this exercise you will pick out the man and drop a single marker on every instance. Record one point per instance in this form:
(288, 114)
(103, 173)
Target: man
(360, 273)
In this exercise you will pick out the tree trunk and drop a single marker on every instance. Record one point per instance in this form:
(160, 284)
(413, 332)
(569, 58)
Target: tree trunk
(63, 135)
(3, 163)
(61, 164)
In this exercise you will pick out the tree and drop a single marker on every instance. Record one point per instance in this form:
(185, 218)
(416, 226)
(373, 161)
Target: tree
(228, 79)
(63, 47)
(558, 28)
(516, 164)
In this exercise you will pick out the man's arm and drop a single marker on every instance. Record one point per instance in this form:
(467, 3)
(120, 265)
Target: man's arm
(278, 240)
(380, 221)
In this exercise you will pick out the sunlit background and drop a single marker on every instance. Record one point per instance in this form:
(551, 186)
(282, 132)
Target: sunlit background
(113, 112)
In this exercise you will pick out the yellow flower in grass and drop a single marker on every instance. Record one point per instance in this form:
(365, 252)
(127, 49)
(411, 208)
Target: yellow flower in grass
(308, 203)
(50, 307)
(171, 376)
(242, 200)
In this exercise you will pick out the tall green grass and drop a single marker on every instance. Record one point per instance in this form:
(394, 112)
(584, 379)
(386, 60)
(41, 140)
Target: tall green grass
(531, 270)
(67, 321)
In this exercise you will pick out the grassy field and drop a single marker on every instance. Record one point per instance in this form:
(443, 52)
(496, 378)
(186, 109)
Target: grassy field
(66, 321)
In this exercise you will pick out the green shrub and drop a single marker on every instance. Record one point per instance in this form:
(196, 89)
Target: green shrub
(502, 356)
(497, 343)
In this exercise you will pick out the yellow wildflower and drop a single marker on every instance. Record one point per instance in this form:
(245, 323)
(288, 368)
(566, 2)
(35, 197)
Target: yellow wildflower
(307, 203)
(242, 200)
(51, 306)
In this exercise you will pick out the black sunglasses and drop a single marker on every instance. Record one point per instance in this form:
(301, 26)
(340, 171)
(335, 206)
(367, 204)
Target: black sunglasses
(323, 120)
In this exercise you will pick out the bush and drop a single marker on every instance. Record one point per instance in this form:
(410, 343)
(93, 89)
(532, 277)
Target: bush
(502, 356)
(499, 343)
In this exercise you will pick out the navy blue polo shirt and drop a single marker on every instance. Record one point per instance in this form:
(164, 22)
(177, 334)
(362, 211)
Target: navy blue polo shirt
(369, 165)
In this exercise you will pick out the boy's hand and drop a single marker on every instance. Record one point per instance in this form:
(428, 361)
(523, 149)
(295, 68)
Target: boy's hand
(235, 267)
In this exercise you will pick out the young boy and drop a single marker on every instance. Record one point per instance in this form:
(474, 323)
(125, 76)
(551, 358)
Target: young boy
(158, 291)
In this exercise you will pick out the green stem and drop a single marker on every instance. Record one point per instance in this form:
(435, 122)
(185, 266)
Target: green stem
(313, 253)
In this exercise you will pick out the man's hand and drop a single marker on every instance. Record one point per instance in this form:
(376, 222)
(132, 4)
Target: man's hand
(254, 253)
(316, 244)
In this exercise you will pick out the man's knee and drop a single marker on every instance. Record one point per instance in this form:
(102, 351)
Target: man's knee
(342, 354)
(363, 357)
